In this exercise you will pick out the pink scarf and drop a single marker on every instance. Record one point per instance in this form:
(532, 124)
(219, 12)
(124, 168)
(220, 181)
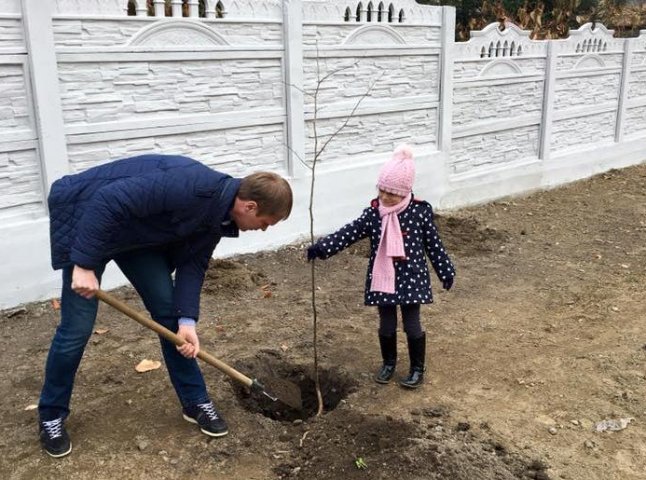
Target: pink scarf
(391, 247)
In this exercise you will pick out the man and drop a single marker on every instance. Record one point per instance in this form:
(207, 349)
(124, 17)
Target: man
(155, 216)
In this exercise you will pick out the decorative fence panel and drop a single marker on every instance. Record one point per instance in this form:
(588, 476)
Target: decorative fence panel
(586, 95)
(230, 82)
(498, 100)
(21, 192)
(209, 87)
(351, 46)
(635, 123)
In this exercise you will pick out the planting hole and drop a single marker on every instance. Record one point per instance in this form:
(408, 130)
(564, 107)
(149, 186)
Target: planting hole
(268, 368)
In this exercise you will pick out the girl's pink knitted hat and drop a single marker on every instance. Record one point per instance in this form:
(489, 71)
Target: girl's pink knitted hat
(398, 174)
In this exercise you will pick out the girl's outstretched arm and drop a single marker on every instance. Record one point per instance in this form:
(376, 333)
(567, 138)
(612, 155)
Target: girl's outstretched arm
(344, 237)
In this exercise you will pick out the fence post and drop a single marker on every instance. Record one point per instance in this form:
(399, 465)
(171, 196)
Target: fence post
(194, 8)
(445, 104)
(445, 117)
(160, 7)
(176, 8)
(293, 32)
(547, 115)
(39, 36)
(623, 89)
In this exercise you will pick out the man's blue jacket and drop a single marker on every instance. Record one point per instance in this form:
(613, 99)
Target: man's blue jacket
(148, 201)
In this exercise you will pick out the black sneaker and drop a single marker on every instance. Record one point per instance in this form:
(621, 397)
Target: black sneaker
(207, 417)
(54, 438)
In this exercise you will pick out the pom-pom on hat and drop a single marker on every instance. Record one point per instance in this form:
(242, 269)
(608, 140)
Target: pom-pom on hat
(398, 174)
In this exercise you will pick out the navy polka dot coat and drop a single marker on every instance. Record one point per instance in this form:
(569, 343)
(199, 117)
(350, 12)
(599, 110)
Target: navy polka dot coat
(412, 280)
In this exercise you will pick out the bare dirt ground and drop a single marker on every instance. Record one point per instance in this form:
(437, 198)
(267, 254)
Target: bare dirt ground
(541, 338)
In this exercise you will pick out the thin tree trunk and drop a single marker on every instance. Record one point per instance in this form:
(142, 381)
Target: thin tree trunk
(317, 156)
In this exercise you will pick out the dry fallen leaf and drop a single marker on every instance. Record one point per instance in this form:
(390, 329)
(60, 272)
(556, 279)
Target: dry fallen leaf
(265, 289)
(101, 331)
(33, 406)
(147, 365)
(284, 347)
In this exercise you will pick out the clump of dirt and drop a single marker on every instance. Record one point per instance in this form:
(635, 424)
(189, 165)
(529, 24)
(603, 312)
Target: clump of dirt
(467, 237)
(231, 278)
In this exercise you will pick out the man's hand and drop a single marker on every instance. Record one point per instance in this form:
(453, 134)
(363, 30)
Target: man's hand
(191, 348)
(84, 282)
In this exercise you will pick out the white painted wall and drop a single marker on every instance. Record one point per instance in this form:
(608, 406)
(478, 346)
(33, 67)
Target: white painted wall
(84, 84)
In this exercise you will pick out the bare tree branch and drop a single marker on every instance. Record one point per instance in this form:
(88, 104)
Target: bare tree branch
(329, 74)
(333, 72)
(349, 117)
(300, 159)
(302, 90)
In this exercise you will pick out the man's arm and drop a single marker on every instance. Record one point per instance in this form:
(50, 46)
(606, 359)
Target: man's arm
(191, 265)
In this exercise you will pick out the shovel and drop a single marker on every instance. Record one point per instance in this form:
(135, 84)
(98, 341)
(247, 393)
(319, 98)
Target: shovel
(290, 394)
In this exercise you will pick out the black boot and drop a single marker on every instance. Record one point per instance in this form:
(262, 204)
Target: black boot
(389, 355)
(417, 354)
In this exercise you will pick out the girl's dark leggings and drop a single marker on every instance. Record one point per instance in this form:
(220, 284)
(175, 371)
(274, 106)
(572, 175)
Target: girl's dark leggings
(410, 319)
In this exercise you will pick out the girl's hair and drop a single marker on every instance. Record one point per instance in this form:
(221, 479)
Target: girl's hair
(270, 191)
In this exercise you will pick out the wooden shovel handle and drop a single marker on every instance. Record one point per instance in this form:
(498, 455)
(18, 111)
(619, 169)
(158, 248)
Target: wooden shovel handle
(171, 337)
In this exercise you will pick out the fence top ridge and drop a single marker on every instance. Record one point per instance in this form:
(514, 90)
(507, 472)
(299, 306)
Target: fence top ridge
(335, 10)
(237, 9)
(493, 30)
(589, 38)
(493, 41)
(91, 7)
(256, 9)
(375, 3)
(591, 29)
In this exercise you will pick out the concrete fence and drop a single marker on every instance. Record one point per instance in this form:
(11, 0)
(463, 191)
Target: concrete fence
(230, 83)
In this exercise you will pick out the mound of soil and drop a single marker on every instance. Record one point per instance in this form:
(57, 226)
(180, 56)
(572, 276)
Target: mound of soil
(465, 236)
(231, 278)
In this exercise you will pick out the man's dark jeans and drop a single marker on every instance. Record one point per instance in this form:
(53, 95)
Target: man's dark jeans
(150, 273)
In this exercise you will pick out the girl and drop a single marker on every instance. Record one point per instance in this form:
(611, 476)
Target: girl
(401, 232)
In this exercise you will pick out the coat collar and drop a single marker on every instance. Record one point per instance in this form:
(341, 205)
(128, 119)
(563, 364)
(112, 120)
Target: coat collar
(219, 217)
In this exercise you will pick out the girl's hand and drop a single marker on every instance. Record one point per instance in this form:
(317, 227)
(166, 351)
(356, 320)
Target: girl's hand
(447, 283)
(314, 251)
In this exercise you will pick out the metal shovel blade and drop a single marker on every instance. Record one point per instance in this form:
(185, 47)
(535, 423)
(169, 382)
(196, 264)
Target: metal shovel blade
(279, 389)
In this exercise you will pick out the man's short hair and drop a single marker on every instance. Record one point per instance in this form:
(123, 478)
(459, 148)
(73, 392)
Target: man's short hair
(270, 191)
